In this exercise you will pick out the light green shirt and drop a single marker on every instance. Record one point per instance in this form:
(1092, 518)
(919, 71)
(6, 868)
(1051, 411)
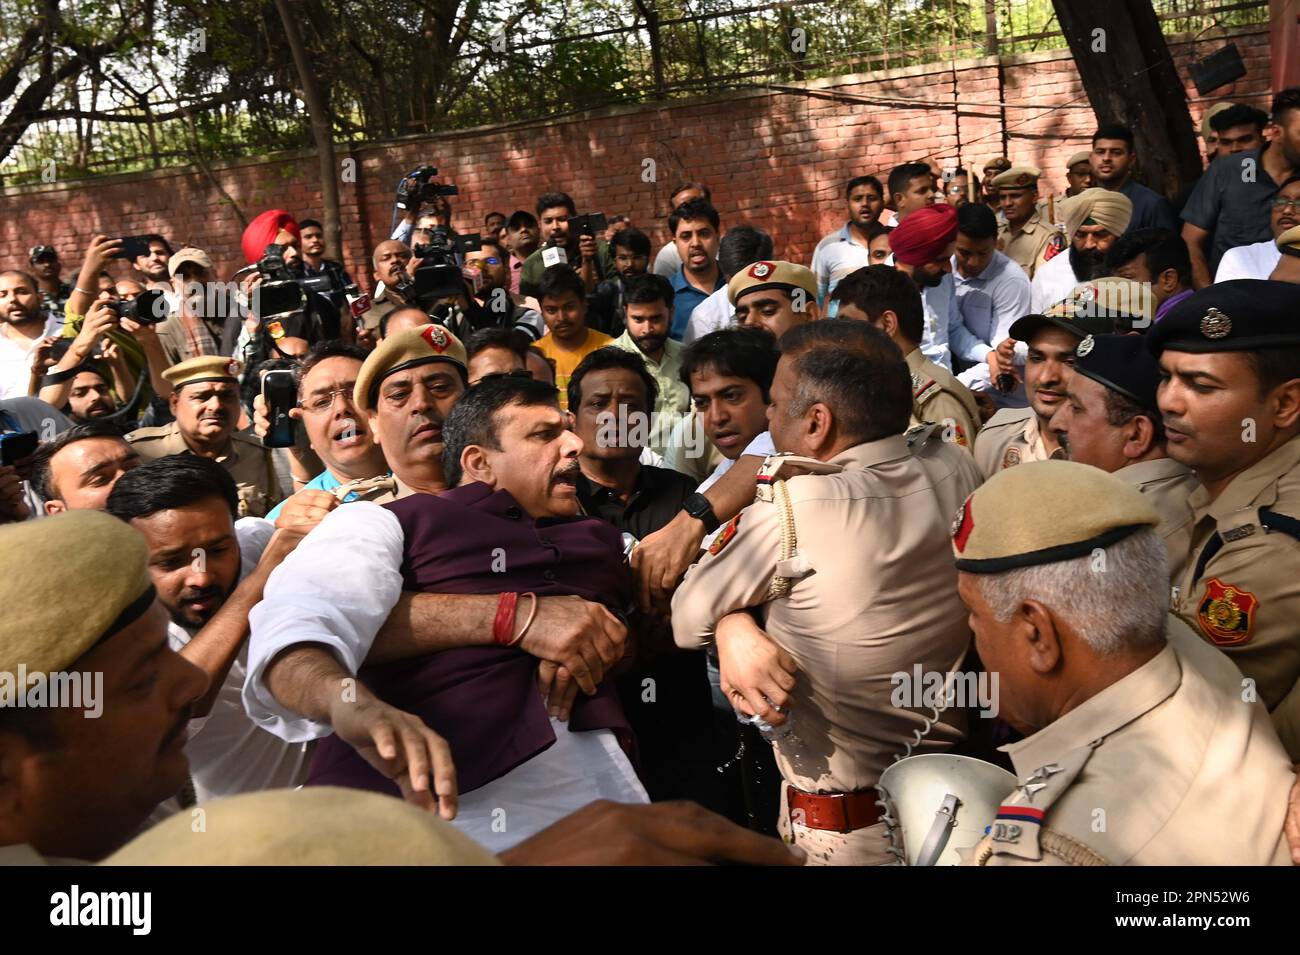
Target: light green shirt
(674, 397)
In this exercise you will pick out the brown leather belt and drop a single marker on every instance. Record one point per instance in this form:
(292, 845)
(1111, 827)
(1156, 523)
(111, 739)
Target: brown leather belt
(833, 812)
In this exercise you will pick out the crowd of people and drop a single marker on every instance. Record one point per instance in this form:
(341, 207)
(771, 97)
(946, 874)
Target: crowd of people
(543, 545)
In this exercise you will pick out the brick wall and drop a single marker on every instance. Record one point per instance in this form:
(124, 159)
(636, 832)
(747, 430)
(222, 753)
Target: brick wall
(776, 159)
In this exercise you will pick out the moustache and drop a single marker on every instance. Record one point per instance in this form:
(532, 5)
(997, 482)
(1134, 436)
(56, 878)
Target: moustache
(566, 475)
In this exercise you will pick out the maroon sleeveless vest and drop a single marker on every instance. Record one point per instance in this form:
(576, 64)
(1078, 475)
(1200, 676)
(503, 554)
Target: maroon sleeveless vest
(483, 700)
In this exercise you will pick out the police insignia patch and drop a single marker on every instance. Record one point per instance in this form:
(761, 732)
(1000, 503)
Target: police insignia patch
(962, 525)
(1226, 614)
(436, 336)
(1085, 347)
(761, 270)
(1011, 458)
(723, 539)
(232, 367)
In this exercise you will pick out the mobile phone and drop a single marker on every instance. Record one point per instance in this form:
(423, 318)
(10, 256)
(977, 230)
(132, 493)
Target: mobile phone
(281, 394)
(16, 445)
(133, 246)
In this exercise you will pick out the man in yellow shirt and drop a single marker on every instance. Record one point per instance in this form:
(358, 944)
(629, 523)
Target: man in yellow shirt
(564, 308)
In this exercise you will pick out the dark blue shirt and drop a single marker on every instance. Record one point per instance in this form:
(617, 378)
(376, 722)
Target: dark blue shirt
(1150, 209)
(1233, 200)
(685, 297)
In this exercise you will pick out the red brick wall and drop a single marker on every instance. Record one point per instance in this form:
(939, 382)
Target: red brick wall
(776, 159)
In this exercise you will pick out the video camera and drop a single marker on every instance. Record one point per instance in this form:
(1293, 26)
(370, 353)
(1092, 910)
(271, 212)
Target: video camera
(411, 196)
(147, 308)
(281, 292)
(438, 276)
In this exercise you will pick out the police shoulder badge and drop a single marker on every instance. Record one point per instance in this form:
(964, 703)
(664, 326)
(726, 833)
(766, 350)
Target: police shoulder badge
(1216, 325)
(724, 538)
(1226, 614)
(1011, 457)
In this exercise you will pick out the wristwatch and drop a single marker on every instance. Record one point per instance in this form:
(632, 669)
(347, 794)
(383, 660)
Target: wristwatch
(698, 506)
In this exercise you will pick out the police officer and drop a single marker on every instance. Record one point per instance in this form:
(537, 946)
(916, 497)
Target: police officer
(85, 768)
(889, 300)
(842, 556)
(1231, 405)
(1025, 231)
(205, 401)
(1110, 419)
(1014, 435)
(1139, 748)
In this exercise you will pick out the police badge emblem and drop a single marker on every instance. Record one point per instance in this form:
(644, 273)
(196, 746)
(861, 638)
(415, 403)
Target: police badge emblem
(761, 270)
(436, 336)
(1216, 325)
(1085, 347)
(1011, 458)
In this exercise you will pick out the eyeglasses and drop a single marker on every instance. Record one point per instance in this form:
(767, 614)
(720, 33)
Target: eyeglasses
(1281, 203)
(319, 404)
(486, 260)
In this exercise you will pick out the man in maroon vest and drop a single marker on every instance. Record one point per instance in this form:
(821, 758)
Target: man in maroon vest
(510, 526)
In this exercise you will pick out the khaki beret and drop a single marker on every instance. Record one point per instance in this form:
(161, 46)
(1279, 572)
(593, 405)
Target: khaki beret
(783, 275)
(1083, 155)
(67, 582)
(997, 164)
(204, 368)
(1110, 297)
(1206, 129)
(318, 825)
(1044, 512)
(1289, 241)
(188, 254)
(407, 349)
(1018, 177)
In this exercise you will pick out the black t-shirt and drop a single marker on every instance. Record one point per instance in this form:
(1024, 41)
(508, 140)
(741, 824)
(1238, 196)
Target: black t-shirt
(655, 501)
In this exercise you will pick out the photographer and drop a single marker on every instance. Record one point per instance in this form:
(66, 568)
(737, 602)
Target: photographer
(99, 340)
(584, 253)
(522, 238)
(420, 191)
(392, 276)
(315, 263)
(151, 262)
(488, 273)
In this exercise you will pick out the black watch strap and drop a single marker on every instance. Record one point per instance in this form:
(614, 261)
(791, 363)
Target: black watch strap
(698, 506)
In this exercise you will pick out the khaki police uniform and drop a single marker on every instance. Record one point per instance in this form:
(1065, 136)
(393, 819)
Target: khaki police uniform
(248, 462)
(1240, 584)
(938, 397)
(1167, 485)
(845, 562)
(244, 457)
(1167, 764)
(68, 582)
(1024, 243)
(1009, 438)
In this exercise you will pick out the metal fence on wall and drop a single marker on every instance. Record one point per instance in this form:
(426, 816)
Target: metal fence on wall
(642, 51)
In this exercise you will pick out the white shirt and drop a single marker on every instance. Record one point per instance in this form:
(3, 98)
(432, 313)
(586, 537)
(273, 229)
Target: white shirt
(1053, 282)
(836, 256)
(761, 446)
(668, 262)
(228, 753)
(981, 313)
(937, 302)
(308, 600)
(16, 359)
(1254, 261)
(714, 313)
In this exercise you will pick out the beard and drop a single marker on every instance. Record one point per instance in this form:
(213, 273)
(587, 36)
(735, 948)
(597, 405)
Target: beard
(1088, 265)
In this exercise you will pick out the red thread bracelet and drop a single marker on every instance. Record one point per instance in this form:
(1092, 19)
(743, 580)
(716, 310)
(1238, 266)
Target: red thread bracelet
(503, 625)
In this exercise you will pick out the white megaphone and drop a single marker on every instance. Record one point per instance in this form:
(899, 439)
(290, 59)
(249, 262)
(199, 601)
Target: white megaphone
(940, 803)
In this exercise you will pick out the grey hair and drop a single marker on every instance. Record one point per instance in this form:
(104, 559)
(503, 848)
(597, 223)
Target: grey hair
(1116, 598)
